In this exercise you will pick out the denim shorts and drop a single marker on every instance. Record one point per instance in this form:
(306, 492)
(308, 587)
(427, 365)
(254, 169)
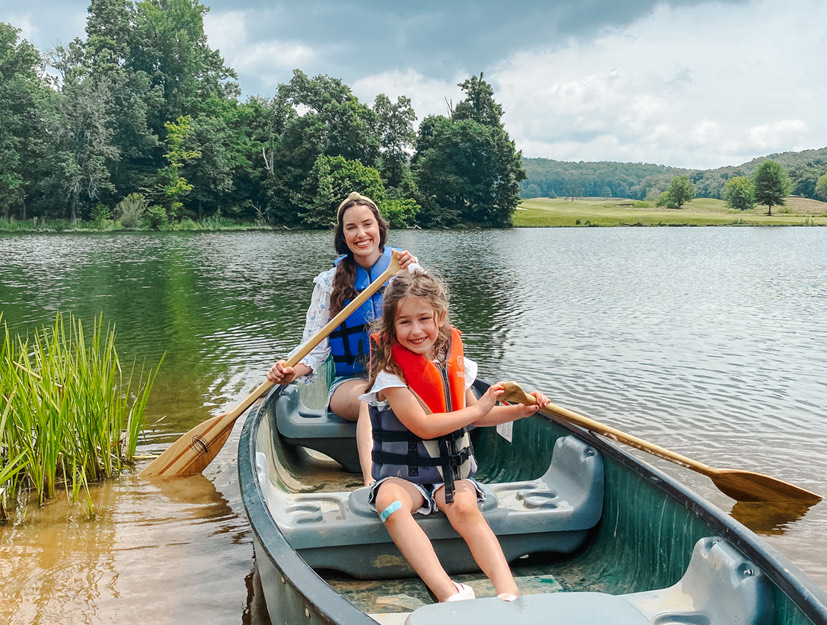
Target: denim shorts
(427, 490)
(338, 381)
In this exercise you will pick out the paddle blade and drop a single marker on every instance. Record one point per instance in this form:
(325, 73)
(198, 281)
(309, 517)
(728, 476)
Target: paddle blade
(193, 451)
(749, 486)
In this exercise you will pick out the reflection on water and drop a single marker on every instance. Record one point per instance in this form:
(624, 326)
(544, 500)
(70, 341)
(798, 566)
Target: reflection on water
(710, 342)
(774, 517)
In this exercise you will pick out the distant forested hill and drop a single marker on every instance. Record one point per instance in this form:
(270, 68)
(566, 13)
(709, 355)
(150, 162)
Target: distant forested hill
(550, 178)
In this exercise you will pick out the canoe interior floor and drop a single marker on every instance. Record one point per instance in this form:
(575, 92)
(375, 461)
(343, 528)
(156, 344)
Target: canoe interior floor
(408, 594)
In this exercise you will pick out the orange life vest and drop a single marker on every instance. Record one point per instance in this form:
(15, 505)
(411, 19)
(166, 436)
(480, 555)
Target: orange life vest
(428, 381)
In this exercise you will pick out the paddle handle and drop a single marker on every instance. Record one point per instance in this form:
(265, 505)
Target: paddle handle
(513, 392)
(628, 439)
(393, 269)
(195, 450)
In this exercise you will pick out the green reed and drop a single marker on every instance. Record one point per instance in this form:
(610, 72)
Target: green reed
(69, 413)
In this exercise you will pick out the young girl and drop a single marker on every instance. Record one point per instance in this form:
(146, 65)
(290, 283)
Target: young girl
(420, 406)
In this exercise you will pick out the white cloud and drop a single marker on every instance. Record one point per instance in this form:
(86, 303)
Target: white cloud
(270, 62)
(784, 131)
(699, 86)
(28, 30)
(428, 96)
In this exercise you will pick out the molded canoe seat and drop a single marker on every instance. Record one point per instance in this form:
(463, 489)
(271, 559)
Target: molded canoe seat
(321, 430)
(553, 513)
(719, 587)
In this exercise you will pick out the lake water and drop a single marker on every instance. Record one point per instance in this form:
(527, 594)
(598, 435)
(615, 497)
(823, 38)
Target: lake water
(711, 342)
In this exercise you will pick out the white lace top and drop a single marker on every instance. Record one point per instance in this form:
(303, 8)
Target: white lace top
(318, 314)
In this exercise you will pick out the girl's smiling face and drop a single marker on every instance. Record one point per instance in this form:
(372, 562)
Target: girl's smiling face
(417, 325)
(362, 234)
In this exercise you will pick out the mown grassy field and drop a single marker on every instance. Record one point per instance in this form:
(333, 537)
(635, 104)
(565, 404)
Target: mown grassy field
(546, 212)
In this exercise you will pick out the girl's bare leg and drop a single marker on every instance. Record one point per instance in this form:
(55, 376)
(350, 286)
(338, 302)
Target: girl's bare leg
(345, 403)
(467, 519)
(410, 538)
(364, 443)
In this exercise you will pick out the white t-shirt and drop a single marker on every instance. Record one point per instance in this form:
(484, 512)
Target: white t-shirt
(386, 379)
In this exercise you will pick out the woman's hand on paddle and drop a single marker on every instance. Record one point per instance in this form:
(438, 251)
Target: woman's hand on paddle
(405, 258)
(280, 373)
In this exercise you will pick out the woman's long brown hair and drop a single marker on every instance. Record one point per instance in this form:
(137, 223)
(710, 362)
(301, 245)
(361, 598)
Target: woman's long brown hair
(345, 276)
(421, 285)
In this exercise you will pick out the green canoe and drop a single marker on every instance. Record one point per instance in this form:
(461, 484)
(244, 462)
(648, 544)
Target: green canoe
(594, 535)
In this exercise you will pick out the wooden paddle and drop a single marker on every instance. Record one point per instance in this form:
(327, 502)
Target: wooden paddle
(196, 449)
(740, 485)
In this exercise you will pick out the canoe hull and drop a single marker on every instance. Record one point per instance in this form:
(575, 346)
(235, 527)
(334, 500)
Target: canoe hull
(649, 529)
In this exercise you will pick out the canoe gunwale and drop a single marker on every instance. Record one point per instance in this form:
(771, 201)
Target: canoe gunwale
(330, 607)
(326, 604)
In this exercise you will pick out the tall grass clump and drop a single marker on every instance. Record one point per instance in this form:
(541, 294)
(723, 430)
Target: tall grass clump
(69, 413)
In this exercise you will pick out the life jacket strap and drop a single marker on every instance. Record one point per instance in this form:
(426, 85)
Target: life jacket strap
(450, 464)
(399, 436)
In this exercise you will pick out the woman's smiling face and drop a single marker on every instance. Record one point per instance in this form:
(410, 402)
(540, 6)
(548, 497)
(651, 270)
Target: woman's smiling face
(362, 234)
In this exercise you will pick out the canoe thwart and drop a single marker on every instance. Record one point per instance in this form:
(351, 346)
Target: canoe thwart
(554, 513)
(719, 587)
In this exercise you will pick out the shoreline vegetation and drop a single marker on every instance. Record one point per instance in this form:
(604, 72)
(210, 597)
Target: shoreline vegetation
(531, 213)
(70, 415)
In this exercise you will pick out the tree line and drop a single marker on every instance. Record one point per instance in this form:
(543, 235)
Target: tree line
(142, 122)
(806, 171)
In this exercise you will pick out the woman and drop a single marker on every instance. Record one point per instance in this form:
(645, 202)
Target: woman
(360, 238)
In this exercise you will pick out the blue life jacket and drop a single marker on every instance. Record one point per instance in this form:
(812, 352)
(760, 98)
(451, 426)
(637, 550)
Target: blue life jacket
(349, 342)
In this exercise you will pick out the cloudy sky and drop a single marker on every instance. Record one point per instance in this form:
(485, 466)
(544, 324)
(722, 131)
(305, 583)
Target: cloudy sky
(686, 83)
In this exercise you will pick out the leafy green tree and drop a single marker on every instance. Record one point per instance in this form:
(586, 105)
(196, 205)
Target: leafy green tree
(739, 193)
(821, 187)
(80, 126)
(574, 188)
(396, 131)
(467, 168)
(400, 213)
(678, 193)
(772, 185)
(479, 104)
(111, 41)
(329, 182)
(226, 154)
(174, 184)
(170, 47)
(21, 96)
(349, 126)
(804, 177)
(312, 117)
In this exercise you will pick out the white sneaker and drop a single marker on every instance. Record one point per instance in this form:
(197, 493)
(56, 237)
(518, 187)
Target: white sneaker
(463, 593)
